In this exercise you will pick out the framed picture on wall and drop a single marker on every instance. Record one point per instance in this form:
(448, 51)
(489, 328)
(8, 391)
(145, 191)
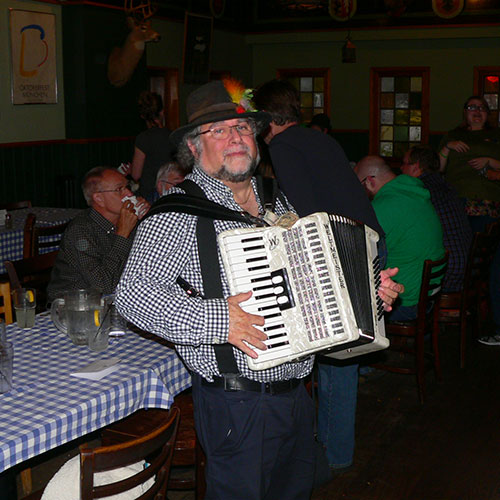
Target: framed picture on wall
(197, 44)
(33, 57)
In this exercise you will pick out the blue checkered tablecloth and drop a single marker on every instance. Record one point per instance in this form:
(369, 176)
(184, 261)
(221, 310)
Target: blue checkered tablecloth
(47, 407)
(12, 240)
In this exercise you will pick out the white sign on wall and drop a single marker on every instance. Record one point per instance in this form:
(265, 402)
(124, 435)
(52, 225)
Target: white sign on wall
(33, 50)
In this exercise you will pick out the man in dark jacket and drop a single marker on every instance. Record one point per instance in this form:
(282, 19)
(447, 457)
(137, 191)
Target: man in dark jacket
(314, 173)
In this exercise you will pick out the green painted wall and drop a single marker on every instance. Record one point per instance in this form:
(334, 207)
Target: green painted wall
(33, 122)
(451, 54)
(229, 53)
(94, 109)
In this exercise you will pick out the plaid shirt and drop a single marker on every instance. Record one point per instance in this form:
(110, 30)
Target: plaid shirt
(457, 234)
(91, 255)
(165, 248)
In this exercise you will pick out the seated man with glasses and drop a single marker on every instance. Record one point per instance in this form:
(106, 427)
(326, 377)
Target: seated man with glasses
(411, 225)
(96, 244)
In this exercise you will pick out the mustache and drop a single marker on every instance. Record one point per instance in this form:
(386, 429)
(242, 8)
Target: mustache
(243, 148)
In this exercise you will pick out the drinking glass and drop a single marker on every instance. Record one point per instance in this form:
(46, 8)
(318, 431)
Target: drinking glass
(99, 337)
(24, 302)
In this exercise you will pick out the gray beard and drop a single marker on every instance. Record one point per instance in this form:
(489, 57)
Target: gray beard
(224, 175)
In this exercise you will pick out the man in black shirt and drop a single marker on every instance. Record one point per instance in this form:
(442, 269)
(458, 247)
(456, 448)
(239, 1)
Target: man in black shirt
(314, 173)
(96, 244)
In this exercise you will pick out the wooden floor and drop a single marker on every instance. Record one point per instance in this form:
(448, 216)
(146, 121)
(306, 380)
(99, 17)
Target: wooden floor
(447, 449)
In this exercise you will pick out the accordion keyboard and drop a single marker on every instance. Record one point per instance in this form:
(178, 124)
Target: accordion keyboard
(298, 286)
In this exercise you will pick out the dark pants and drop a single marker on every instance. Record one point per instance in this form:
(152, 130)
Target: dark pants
(258, 446)
(478, 224)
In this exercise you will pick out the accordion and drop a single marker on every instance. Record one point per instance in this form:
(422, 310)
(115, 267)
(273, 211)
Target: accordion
(315, 283)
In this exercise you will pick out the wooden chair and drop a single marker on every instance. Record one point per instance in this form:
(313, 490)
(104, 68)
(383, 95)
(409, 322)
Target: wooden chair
(15, 205)
(187, 450)
(33, 272)
(6, 307)
(35, 237)
(155, 447)
(408, 337)
(459, 307)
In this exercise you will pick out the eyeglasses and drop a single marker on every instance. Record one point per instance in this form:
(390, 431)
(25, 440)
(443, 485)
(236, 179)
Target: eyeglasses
(475, 107)
(116, 190)
(221, 132)
(364, 180)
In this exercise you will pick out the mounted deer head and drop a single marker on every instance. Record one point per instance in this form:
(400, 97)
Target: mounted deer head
(123, 60)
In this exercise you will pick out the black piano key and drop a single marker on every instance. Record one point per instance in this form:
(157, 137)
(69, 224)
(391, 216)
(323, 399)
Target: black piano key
(274, 327)
(279, 344)
(257, 268)
(256, 247)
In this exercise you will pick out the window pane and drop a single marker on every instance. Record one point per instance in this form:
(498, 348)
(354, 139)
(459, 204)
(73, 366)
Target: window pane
(415, 100)
(386, 133)
(491, 84)
(402, 84)
(402, 116)
(386, 149)
(400, 121)
(318, 100)
(400, 148)
(416, 84)
(492, 100)
(387, 116)
(415, 134)
(400, 133)
(306, 100)
(307, 114)
(401, 100)
(415, 117)
(387, 100)
(319, 84)
(387, 84)
(306, 84)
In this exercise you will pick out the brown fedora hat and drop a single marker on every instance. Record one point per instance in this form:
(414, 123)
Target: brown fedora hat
(212, 102)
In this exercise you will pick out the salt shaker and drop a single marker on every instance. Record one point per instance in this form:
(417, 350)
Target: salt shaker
(8, 221)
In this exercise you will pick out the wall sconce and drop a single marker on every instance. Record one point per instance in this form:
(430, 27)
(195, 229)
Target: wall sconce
(348, 51)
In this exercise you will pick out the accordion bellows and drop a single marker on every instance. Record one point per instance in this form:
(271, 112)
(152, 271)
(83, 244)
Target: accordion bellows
(315, 283)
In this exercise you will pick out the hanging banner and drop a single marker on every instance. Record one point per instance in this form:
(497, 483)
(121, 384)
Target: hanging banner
(447, 8)
(33, 52)
(342, 10)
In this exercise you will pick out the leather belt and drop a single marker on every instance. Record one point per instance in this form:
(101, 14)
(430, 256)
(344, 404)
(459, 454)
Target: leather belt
(235, 383)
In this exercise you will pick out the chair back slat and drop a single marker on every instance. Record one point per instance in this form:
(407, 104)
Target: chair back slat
(432, 277)
(36, 238)
(33, 272)
(6, 307)
(157, 447)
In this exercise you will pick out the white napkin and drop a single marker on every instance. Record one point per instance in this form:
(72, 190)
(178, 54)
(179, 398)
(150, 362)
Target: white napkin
(98, 369)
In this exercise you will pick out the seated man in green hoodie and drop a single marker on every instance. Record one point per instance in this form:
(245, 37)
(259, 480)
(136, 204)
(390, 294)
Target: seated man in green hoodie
(412, 229)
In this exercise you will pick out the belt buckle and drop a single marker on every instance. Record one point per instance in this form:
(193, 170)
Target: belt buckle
(229, 381)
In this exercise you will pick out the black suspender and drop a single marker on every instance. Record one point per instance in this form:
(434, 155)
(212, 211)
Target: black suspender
(195, 202)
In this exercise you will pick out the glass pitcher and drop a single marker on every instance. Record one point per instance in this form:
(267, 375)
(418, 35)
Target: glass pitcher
(79, 314)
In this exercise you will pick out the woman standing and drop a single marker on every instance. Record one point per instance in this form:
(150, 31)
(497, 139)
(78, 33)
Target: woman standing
(467, 154)
(152, 149)
(470, 158)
